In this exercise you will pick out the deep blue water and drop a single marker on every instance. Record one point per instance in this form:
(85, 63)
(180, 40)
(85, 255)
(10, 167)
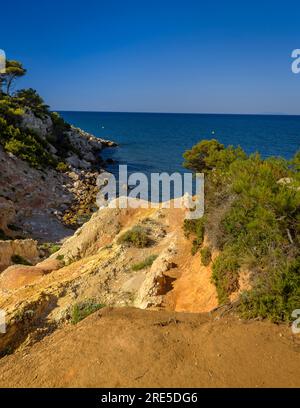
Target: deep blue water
(153, 142)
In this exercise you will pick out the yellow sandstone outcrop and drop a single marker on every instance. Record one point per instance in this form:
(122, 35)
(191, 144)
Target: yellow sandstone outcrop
(26, 248)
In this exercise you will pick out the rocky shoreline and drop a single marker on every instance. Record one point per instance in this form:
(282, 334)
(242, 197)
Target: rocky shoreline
(46, 205)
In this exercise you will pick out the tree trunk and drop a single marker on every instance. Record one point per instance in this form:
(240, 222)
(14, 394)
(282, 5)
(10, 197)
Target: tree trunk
(8, 85)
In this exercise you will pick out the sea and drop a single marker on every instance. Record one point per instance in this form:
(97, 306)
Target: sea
(155, 142)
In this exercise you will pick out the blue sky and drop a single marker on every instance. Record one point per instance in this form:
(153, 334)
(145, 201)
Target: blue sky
(157, 56)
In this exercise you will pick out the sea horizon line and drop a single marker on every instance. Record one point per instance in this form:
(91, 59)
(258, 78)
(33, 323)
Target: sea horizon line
(176, 113)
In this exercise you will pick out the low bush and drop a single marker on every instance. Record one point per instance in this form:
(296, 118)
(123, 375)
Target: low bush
(83, 309)
(252, 211)
(145, 263)
(19, 260)
(225, 275)
(275, 301)
(62, 167)
(30, 98)
(205, 253)
(137, 236)
(25, 143)
(54, 248)
(60, 257)
(194, 228)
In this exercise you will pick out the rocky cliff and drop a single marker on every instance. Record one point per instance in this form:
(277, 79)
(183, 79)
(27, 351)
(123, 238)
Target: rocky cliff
(44, 203)
(99, 264)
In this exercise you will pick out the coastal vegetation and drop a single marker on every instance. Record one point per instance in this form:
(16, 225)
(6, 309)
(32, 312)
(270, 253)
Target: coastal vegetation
(138, 237)
(252, 207)
(205, 253)
(194, 228)
(144, 264)
(14, 69)
(252, 220)
(81, 310)
(20, 260)
(21, 140)
(37, 144)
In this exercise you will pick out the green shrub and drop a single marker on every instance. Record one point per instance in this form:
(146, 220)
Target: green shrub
(59, 124)
(274, 298)
(196, 244)
(145, 263)
(209, 155)
(29, 147)
(59, 137)
(205, 253)
(137, 236)
(54, 248)
(18, 259)
(10, 111)
(50, 248)
(62, 167)
(225, 274)
(25, 143)
(83, 309)
(30, 98)
(196, 229)
(253, 219)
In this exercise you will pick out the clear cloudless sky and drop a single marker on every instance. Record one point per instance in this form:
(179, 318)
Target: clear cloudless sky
(157, 56)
